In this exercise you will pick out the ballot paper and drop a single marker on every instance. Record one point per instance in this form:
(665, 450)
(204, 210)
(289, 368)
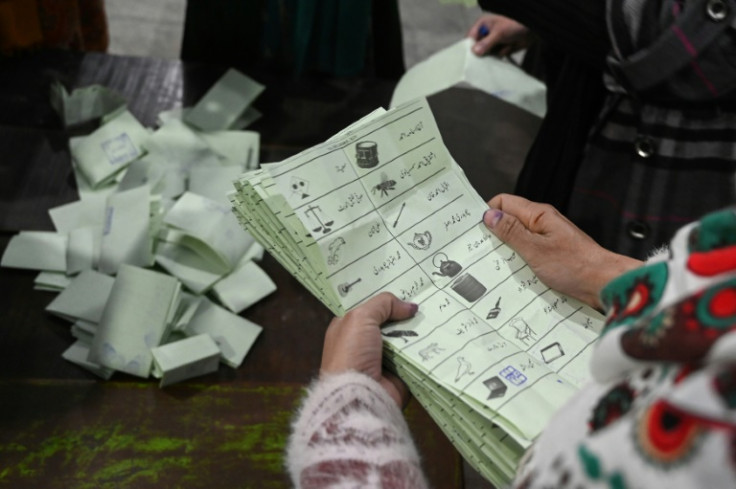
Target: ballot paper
(141, 306)
(110, 149)
(492, 352)
(130, 179)
(84, 298)
(78, 354)
(126, 235)
(234, 335)
(225, 102)
(210, 230)
(36, 250)
(51, 281)
(243, 287)
(85, 104)
(81, 250)
(184, 359)
(239, 148)
(456, 65)
(79, 214)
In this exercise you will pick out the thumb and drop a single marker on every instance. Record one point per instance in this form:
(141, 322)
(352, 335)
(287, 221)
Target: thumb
(508, 229)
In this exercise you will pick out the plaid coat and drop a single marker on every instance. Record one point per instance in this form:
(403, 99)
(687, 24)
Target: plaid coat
(631, 163)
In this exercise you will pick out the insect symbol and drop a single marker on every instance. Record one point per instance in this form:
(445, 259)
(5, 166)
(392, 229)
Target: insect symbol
(384, 186)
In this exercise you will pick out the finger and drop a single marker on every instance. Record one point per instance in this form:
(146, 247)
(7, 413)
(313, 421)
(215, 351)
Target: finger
(529, 213)
(475, 28)
(387, 307)
(511, 230)
(485, 45)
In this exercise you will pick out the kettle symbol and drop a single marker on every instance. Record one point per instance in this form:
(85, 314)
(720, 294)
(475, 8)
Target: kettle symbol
(447, 267)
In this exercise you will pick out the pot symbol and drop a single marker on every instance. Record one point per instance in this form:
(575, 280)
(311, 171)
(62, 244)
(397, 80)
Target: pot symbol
(447, 267)
(421, 241)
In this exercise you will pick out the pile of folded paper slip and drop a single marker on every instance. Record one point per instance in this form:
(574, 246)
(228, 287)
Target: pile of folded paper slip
(150, 264)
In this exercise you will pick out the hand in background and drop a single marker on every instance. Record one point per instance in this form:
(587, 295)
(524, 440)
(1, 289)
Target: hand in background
(353, 342)
(560, 254)
(499, 34)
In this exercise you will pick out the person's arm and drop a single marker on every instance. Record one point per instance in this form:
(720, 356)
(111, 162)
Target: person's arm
(350, 431)
(560, 254)
(576, 27)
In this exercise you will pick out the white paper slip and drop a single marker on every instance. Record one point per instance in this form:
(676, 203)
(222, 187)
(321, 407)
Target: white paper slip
(85, 190)
(86, 326)
(239, 148)
(52, 281)
(78, 353)
(84, 297)
(165, 116)
(190, 268)
(36, 250)
(108, 150)
(212, 230)
(146, 170)
(82, 334)
(224, 102)
(79, 214)
(248, 117)
(178, 144)
(142, 304)
(188, 305)
(184, 359)
(80, 254)
(457, 65)
(233, 334)
(84, 104)
(254, 253)
(126, 234)
(243, 287)
(213, 182)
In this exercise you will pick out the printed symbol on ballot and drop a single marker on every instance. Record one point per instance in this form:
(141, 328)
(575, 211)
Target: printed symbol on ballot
(299, 187)
(495, 311)
(552, 352)
(524, 332)
(400, 333)
(384, 185)
(345, 287)
(430, 351)
(120, 149)
(464, 368)
(314, 213)
(512, 375)
(366, 154)
(421, 241)
(496, 387)
(334, 256)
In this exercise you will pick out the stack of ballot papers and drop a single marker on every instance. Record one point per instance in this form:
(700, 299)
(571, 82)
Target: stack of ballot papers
(492, 352)
(151, 265)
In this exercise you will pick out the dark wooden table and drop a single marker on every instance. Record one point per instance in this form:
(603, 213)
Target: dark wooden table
(60, 426)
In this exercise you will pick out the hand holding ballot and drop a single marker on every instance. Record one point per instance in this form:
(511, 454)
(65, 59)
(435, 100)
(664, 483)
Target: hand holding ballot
(559, 253)
(353, 342)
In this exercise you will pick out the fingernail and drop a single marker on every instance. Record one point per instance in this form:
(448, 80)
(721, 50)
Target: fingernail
(491, 217)
(413, 308)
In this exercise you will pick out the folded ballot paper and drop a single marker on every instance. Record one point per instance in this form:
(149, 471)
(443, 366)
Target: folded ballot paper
(382, 206)
(142, 260)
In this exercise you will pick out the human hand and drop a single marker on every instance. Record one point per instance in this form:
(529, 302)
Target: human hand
(504, 35)
(560, 254)
(353, 342)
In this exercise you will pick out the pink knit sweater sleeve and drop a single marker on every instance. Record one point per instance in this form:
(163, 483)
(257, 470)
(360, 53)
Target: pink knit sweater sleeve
(350, 433)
